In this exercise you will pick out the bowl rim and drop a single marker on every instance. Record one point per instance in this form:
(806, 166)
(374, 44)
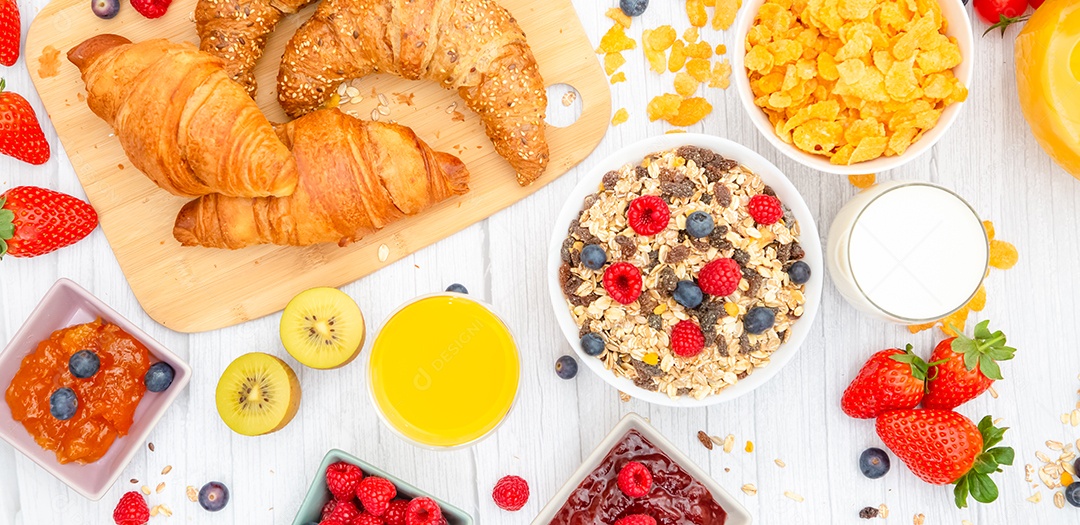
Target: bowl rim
(371, 383)
(736, 512)
(771, 175)
(960, 27)
(131, 442)
(318, 485)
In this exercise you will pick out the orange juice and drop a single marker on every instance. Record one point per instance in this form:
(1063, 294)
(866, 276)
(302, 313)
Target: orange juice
(444, 371)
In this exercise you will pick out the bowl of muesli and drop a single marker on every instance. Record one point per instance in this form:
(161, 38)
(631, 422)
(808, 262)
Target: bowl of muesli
(685, 270)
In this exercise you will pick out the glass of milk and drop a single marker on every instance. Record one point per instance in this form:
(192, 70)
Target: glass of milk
(907, 252)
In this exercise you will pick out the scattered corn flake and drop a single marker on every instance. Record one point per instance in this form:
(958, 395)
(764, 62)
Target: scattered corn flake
(620, 117)
(700, 49)
(749, 489)
(725, 12)
(1035, 498)
(618, 77)
(691, 34)
(695, 10)
(685, 85)
(862, 181)
(673, 131)
(721, 49)
(664, 107)
(691, 111)
(677, 57)
(615, 40)
(619, 17)
(989, 227)
(661, 38)
(721, 75)
(699, 69)
(612, 62)
(624, 397)
(1003, 255)
(789, 494)
(749, 446)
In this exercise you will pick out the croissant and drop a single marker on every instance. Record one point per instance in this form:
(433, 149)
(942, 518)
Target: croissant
(181, 120)
(474, 46)
(236, 31)
(355, 178)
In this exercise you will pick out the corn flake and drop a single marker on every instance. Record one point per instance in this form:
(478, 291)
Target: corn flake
(862, 181)
(725, 12)
(677, 58)
(685, 84)
(620, 117)
(664, 106)
(721, 75)
(612, 62)
(615, 40)
(691, 111)
(695, 9)
(699, 69)
(618, 16)
(618, 77)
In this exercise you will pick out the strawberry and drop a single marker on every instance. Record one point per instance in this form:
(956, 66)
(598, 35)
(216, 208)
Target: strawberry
(131, 510)
(965, 367)
(20, 134)
(941, 446)
(35, 221)
(342, 479)
(375, 494)
(889, 380)
(10, 32)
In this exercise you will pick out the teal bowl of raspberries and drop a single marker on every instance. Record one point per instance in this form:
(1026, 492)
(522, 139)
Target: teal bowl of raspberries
(347, 491)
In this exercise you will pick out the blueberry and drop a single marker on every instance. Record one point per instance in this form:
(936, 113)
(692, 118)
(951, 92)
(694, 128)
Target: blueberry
(457, 288)
(566, 367)
(159, 377)
(633, 7)
(84, 364)
(758, 320)
(592, 344)
(799, 272)
(699, 224)
(62, 404)
(593, 257)
(1072, 494)
(214, 496)
(874, 463)
(688, 294)
(105, 8)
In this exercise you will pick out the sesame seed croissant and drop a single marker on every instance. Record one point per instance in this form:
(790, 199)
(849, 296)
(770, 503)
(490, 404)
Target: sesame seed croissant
(355, 178)
(181, 120)
(474, 46)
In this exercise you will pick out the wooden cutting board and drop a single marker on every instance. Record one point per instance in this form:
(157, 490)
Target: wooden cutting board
(199, 289)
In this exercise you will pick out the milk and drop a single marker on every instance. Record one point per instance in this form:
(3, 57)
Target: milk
(909, 252)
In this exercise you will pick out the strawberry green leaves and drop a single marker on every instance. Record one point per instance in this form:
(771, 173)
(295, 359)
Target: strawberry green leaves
(977, 482)
(7, 224)
(984, 350)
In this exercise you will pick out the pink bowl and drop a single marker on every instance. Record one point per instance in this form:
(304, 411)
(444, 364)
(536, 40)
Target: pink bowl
(67, 304)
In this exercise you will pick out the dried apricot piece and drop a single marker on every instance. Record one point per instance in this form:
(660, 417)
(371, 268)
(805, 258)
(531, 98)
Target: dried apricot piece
(699, 69)
(615, 40)
(691, 111)
(612, 62)
(663, 106)
(695, 9)
(862, 181)
(1003, 255)
(677, 58)
(620, 116)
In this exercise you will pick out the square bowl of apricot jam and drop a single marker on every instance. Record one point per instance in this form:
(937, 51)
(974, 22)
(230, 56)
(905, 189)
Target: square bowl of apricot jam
(83, 388)
(660, 482)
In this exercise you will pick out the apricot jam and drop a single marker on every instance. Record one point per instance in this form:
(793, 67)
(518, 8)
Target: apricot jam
(106, 400)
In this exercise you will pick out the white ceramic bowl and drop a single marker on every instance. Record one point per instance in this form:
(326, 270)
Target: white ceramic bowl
(959, 27)
(67, 304)
(736, 513)
(772, 176)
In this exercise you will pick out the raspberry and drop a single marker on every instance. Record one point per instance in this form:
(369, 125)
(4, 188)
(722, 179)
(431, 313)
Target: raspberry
(636, 519)
(332, 522)
(342, 479)
(366, 519)
(375, 494)
(765, 209)
(131, 510)
(395, 512)
(720, 277)
(151, 8)
(635, 480)
(343, 511)
(423, 511)
(686, 341)
(327, 509)
(623, 282)
(648, 215)
(511, 493)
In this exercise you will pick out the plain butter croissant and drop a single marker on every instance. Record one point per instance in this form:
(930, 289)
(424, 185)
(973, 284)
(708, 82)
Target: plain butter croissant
(474, 46)
(355, 178)
(181, 120)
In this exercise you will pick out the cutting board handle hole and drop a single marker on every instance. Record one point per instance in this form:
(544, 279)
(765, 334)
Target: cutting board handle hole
(564, 105)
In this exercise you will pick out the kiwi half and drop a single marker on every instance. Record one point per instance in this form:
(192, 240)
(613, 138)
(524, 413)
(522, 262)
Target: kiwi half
(323, 328)
(257, 394)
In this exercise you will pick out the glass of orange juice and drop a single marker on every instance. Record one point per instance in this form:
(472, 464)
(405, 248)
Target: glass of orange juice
(444, 371)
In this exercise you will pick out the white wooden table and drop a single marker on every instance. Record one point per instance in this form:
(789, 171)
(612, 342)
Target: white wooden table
(988, 156)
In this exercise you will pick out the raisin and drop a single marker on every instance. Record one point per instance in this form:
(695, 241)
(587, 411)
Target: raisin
(626, 246)
(741, 257)
(748, 273)
(756, 281)
(583, 301)
(742, 375)
(797, 251)
(700, 245)
(744, 344)
(767, 190)
(590, 199)
(684, 391)
(700, 156)
(647, 370)
(723, 194)
(575, 257)
(585, 328)
(654, 259)
(670, 175)
(564, 273)
(645, 383)
(721, 345)
(683, 189)
(710, 336)
(717, 238)
(641, 172)
(564, 252)
(647, 303)
(656, 323)
(706, 198)
(868, 513)
(583, 233)
(678, 254)
(783, 253)
(707, 318)
(667, 281)
(609, 180)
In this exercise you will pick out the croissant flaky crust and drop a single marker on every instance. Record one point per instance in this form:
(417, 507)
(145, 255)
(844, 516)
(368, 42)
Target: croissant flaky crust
(474, 46)
(355, 178)
(181, 120)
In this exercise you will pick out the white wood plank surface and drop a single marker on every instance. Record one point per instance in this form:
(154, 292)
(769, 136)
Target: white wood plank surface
(988, 156)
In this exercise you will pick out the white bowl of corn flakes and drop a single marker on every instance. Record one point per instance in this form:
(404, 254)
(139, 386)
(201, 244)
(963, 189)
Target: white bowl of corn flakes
(853, 86)
(635, 349)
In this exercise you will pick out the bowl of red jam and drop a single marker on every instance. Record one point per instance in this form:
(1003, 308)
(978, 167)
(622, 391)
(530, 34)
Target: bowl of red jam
(680, 492)
(82, 418)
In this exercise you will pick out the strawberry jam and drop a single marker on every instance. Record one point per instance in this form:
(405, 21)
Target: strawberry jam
(106, 400)
(675, 497)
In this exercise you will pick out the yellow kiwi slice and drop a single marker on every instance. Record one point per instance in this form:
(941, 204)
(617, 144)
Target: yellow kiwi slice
(323, 328)
(257, 394)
